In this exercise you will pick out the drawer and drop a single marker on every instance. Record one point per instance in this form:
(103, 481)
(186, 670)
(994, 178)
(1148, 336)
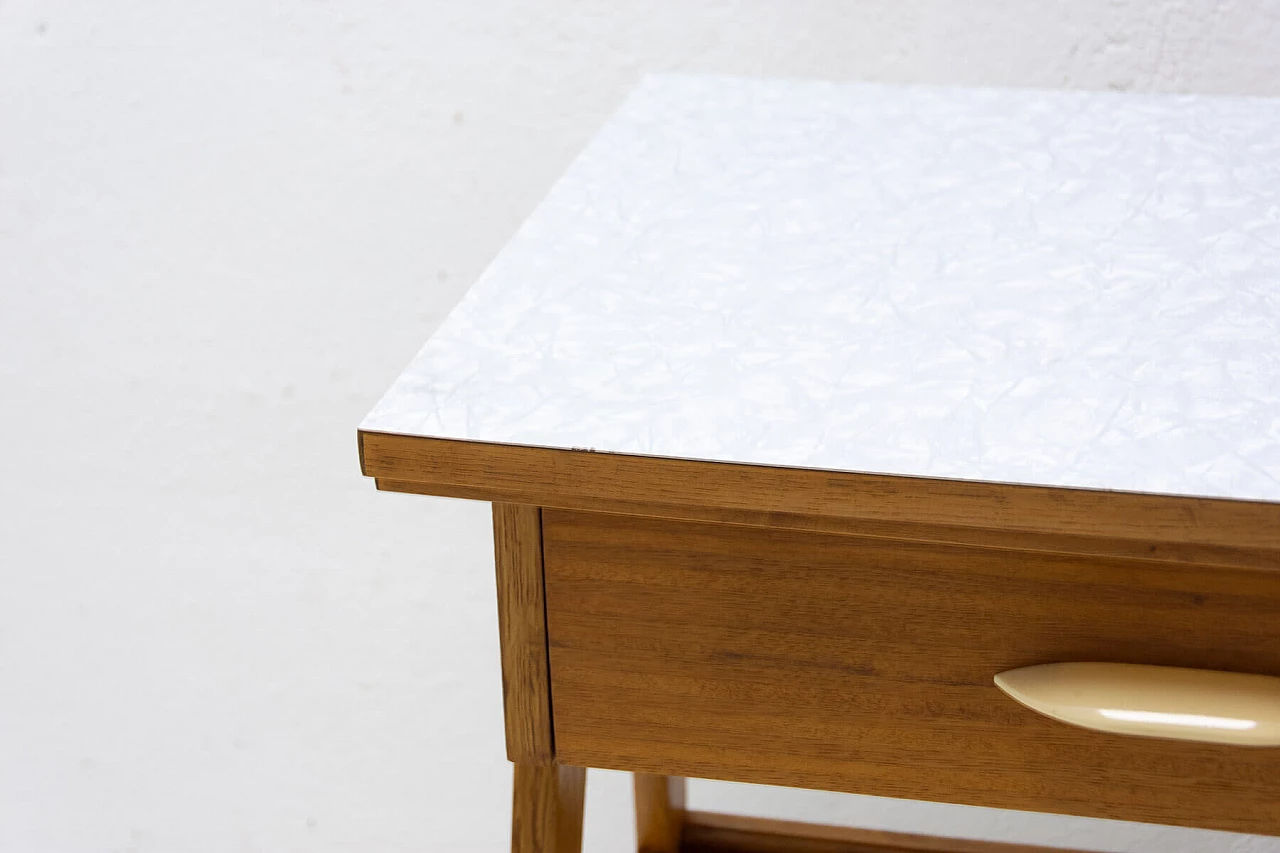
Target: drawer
(865, 665)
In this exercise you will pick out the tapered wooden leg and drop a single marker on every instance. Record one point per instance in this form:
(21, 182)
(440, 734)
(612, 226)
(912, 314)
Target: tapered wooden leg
(659, 813)
(546, 810)
(522, 633)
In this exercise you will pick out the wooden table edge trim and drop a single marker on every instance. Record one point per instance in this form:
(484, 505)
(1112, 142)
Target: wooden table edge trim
(664, 825)
(708, 832)
(1147, 526)
(1208, 556)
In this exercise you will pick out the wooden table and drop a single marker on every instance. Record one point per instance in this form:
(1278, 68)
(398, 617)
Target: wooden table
(806, 409)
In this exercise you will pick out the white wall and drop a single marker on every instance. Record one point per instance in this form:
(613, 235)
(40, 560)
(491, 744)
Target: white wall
(224, 226)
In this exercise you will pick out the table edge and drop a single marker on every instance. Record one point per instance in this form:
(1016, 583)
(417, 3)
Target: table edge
(1134, 524)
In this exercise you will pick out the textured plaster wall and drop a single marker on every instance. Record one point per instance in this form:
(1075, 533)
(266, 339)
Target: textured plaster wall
(224, 227)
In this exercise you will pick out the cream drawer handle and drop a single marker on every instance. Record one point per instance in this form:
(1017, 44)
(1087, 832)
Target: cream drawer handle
(1153, 701)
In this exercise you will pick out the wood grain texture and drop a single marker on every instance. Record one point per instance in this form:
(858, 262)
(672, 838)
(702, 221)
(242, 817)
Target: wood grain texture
(640, 485)
(660, 810)
(720, 833)
(865, 665)
(522, 632)
(546, 811)
(663, 825)
(1054, 543)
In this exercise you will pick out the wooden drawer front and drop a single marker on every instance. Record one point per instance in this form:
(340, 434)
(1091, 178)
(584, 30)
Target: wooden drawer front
(865, 665)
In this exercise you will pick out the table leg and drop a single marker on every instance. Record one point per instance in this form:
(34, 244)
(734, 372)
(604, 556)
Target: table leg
(659, 812)
(546, 809)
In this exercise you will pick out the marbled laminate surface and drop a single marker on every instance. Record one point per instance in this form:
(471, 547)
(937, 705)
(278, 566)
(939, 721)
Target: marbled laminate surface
(1058, 288)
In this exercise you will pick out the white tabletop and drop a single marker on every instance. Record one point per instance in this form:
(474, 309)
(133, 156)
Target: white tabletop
(1058, 288)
